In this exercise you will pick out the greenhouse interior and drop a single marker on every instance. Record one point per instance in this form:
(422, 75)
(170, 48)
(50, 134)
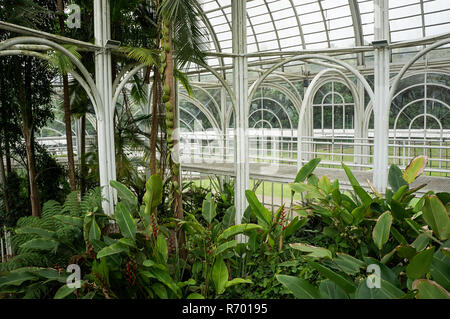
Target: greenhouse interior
(225, 149)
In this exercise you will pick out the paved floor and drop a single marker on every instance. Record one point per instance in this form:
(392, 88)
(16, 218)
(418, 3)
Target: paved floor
(287, 173)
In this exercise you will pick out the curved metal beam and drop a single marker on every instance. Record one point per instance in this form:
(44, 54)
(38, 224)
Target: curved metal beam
(98, 105)
(200, 106)
(410, 63)
(315, 56)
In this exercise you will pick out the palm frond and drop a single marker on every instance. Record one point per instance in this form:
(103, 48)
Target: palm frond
(183, 79)
(142, 55)
(189, 36)
(62, 62)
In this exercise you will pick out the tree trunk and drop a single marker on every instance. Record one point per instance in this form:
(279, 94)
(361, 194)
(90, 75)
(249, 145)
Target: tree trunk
(172, 134)
(154, 124)
(3, 180)
(8, 158)
(67, 120)
(34, 194)
(27, 130)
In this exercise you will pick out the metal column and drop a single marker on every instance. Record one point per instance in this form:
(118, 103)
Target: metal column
(240, 88)
(105, 125)
(382, 102)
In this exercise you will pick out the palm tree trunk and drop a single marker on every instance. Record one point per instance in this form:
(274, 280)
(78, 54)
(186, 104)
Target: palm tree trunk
(3, 180)
(171, 125)
(154, 124)
(67, 120)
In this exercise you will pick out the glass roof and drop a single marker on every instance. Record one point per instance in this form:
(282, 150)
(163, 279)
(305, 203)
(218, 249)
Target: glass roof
(293, 25)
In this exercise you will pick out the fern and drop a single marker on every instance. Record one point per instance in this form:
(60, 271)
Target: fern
(72, 205)
(69, 238)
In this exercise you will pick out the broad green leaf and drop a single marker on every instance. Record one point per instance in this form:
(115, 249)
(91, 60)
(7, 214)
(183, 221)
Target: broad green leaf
(385, 291)
(294, 226)
(160, 290)
(15, 278)
(398, 236)
(380, 233)
(124, 193)
(128, 242)
(161, 246)
(315, 252)
(329, 290)
(362, 194)
(415, 168)
(113, 249)
(229, 217)
(325, 184)
(74, 221)
(63, 292)
(406, 252)
(397, 210)
(346, 216)
(340, 280)
(428, 289)
(306, 170)
(237, 281)
(94, 231)
(41, 244)
(440, 271)
(420, 264)
(436, 216)
(300, 288)
(444, 197)
(209, 208)
(153, 193)
(312, 191)
(358, 214)
(421, 241)
(126, 222)
(262, 213)
(237, 229)
(38, 231)
(164, 277)
(348, 264)
(399, 193)
(189, 282)
(148, 263)
(50, 274)
(395, 178)
(223, 247)
(220, 275)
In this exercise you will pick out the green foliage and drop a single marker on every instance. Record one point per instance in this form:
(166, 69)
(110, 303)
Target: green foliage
(328, 251)
(390, 232)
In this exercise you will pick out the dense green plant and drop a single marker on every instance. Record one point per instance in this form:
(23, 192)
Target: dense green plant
(211, 247)
(408, 239)
(43, 247)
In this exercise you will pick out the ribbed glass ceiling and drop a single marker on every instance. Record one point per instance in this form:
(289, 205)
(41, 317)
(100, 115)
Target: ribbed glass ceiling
(292, 25)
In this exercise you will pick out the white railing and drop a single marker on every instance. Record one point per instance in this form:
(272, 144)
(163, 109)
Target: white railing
(277, 146)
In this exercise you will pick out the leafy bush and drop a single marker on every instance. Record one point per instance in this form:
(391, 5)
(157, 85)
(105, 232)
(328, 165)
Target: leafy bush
(407, 239)
(329, 250)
